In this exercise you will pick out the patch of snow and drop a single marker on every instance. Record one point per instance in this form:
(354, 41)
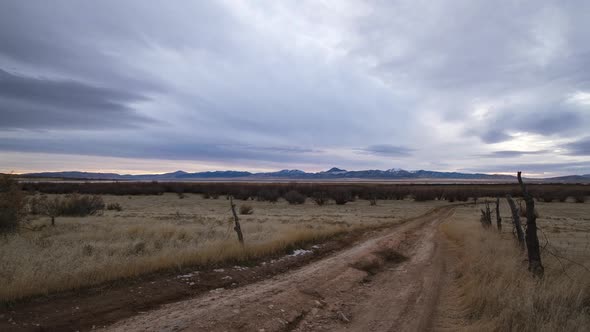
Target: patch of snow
(227, 278)
(299, 252)
(219, 270)
(240, 268)
(186, 276)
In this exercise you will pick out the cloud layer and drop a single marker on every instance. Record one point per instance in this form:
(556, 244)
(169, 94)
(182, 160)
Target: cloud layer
(306, 84)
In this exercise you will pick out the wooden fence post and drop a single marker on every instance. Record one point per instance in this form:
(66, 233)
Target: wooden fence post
(498, 218)
(237, 226)
(516, 221)
(532, 240)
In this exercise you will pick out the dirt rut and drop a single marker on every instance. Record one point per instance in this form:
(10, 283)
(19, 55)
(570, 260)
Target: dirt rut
(387, 283)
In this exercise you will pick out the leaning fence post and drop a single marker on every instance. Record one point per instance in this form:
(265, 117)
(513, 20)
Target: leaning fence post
(516, 221)
(237, 226)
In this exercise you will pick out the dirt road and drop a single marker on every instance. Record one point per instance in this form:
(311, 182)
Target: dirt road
(387, 283)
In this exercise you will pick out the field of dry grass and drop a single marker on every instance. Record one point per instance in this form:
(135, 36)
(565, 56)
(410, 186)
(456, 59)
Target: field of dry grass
(493, 289)
(490, 290)
(163, 231)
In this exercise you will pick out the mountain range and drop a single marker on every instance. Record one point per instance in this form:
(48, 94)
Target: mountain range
(294, 174)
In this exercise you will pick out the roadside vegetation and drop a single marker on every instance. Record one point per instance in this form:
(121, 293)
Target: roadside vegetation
(340, 193)
(63, 236)
(127, 236)
(493, 289)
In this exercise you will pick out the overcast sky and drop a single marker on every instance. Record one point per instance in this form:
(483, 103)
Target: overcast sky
(142, 86)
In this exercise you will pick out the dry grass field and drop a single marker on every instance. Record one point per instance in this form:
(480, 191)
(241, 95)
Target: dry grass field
(485, 286)
(163, 231)
(493, 290)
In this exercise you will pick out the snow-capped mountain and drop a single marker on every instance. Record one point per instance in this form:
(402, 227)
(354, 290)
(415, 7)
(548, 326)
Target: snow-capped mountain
(333, 173)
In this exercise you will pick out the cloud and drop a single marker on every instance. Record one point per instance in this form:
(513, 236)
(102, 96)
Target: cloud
(543, 117)
(494, 136)
(536, 168)
(552, 122)
(579, 148)
(231, 82)
(513, 153)
(33, 102)
(386, 150)
(181, 149)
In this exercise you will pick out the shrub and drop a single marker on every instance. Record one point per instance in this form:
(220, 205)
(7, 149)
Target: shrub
(440, 194)
(37, 205)
(398, 194)
(87, 249)
(294, 197)
(562, 196)
(342, 197)
(373, 201)
(246, 209)
(114, 207)
(579, 196)
(75, 205)
(548, 196)
(320, 198)
(461, 196)
(138, 248)
(243, 195)
(12, 204)
(181, 195)
(269, 195)
(424, 195)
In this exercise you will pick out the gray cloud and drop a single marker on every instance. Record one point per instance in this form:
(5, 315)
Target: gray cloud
(31, 102)
(535, 168)
(553, 122)
(579, 148)
(231, 81)
(492, 135)
(386, 150)
(519, 60)
(512, 153)
(180, 149)
(549, 121)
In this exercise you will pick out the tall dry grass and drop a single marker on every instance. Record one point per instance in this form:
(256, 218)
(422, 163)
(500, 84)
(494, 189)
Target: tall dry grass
(493, 291)
(153, 233)
(43, 267)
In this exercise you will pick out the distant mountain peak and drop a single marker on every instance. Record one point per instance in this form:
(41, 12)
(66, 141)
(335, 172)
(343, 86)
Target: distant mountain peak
(395, 170)
(332, 173)
(291, 171)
